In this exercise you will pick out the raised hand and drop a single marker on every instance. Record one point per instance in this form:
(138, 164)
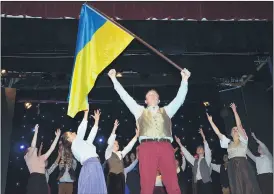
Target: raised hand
(182, 154)
(202, 133)
(58, 132)
(185, 74)
(116, 124)
(112, 73)
(36, 128)
(96, 115)
(209, 117)
(177, 140)
(233, 106)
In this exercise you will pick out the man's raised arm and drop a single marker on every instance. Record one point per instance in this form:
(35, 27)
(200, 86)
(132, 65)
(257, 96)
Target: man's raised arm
(177, 102)
(134, 108)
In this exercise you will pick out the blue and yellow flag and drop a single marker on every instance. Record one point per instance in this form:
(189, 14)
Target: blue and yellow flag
(99, 42)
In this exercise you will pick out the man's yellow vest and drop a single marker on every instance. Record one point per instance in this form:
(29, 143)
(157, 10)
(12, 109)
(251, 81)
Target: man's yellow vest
(156, 125)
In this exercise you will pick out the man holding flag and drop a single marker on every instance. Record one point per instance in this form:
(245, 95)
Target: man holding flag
(155, 136)
(99, 42)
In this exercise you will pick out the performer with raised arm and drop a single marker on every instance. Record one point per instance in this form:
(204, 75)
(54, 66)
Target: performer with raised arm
(37, 182)
(53, 166)
(201, 166)
(242, 179)
(116, 176)
(222, 169)
(91, 178)
(264, 166)
(155, 150)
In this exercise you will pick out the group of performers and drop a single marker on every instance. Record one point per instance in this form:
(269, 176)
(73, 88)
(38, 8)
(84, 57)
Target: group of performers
(157, 165)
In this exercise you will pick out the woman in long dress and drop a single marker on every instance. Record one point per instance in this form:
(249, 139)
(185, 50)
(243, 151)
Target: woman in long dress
(91, 178)
(242, 179)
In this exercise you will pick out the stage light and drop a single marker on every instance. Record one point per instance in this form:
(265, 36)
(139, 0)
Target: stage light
(206, 104)
(101, 139)
(28, 105)
(22, 147)
(119, 74)
(3, 72)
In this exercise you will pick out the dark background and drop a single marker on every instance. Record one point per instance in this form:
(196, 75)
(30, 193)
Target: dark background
(217, 53)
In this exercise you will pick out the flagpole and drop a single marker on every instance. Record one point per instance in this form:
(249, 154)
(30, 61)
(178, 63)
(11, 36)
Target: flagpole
(140, 40)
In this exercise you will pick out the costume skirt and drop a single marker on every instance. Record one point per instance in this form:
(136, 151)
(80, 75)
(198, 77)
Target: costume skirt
(91, 178)
(242, 178)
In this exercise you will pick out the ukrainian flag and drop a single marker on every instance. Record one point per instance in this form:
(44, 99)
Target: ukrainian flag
(99, 42)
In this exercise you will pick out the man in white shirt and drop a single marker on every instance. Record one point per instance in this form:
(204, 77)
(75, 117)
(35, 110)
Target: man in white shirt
(114, 157)
(201, 166)
(155, 150)
(264, 165)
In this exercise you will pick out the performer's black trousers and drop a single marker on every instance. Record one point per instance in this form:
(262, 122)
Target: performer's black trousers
(204, 188)
(37, 184)
(116, 183)
(266, 183)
